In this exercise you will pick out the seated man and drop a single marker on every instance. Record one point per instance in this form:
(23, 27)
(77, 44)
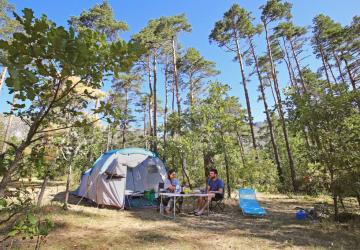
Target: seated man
(215, 187)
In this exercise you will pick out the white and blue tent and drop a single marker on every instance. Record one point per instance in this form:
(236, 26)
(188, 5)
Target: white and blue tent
(118, 171)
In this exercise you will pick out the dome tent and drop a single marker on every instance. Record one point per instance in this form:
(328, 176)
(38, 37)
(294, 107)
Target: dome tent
(130, 169)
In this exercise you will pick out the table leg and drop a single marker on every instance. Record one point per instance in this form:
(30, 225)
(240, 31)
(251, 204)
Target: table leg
(208, 205)
(161, 206)
(174, 207)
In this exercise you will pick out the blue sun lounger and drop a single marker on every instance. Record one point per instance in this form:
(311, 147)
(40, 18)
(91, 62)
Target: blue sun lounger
(249, 204)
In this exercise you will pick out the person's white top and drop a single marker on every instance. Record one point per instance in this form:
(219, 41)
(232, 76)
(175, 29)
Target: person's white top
(173, 182)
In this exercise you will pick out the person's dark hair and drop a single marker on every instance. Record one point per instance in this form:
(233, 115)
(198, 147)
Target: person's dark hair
(169, 172)
(213, 170)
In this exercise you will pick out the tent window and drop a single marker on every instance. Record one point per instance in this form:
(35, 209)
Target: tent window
(152, 169)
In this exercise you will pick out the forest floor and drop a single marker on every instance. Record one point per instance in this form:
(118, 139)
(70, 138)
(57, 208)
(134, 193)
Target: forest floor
(86, 227)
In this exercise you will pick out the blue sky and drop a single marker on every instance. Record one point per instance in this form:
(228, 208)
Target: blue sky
(202, 14)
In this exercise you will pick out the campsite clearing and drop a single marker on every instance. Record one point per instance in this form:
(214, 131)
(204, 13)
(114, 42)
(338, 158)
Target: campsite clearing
(87, 227)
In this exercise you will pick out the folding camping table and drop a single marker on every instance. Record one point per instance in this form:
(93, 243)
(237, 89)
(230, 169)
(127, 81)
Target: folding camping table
(177, 195)
(129, 194)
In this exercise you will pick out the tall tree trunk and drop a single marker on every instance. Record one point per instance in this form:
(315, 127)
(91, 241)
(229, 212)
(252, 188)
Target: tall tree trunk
(108, 138)
(144, 132)
(8, 126)
(208, 161)
(322, 55)
(183, 168)
(303, 85)
(42, 190)
(3, 75)
(334, 194)
(351, 77)
(248, 107)
(268, 116)
(166, 101)
(69, 175)
(68, 182)
(242, 154)
(126, 118)
(173, 98)
(331, 71)
(226, 166)
(150, 124)
(281, 114)
(176, 80)
(292, 75)
(150, 96)
(191, 91)
(155, 102)
(287, 60)
(272, 89)
(338, 65)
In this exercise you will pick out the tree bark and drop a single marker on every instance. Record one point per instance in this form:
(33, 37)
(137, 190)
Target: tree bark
(166, 101)
(338, 65)
(126, 118)
(331, 72)
(108, 137)
(268, 117)
(3, 75)
(281, 114)
(150, 97)
(323, 59)
(8, 126)
(298, 66)
(183, 168)
(173, 98)
(144, 132)
(352, 80)
(69, 174)
(248, 107)
(208, 161)
(42, 190)
(155, 102)
(226, 159)
(191, 91)
(334, 194)
(289, 67)
(150, 119)
(68, 182)
(176, 80)
(242, 154)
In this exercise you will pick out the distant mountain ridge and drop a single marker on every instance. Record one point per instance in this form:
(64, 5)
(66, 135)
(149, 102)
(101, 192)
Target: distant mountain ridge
(18, 128)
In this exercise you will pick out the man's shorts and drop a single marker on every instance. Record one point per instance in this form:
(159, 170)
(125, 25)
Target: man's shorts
(218, 197)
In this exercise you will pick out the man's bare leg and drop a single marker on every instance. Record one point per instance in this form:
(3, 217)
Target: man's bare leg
(199, 204)
(205, 205)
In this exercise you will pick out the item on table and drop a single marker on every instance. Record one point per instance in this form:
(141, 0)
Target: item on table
(177, 189)
(197, 191)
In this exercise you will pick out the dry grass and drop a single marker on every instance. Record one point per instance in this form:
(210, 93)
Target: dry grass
(87, 227)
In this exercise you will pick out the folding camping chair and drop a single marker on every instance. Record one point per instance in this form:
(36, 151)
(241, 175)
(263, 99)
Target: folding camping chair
(179, 201)
(249, 204)
(217, 205)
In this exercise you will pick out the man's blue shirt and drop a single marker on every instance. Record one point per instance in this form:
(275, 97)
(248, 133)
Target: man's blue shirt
(216, 184)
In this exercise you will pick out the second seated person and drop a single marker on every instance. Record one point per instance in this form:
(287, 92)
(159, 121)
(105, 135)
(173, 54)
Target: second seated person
(171, 185)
